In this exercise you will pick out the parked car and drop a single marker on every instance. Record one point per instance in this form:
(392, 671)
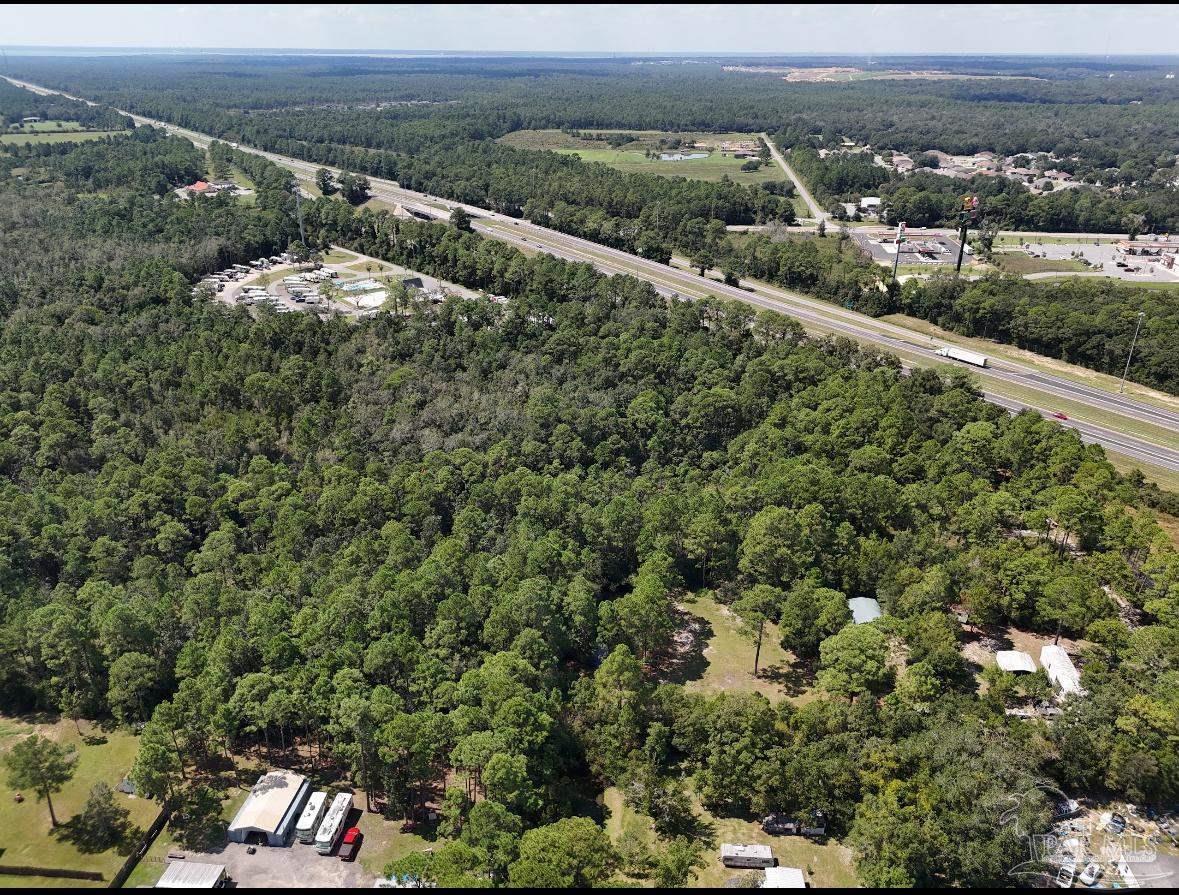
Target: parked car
(351, 844)
(1091, 874)
(1116, 825)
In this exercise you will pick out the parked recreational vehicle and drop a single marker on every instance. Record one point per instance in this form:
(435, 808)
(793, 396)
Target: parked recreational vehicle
(747, 855)
(333, 824)
(311, 817)
(967, 357)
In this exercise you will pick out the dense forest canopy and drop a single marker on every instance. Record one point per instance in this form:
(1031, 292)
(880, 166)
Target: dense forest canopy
(457, 540)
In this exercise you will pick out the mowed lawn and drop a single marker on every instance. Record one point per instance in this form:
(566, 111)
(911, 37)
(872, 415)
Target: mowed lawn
(712, 168)
(725, 664)
(57, 136)
(826, 864)
(105, 755)
(1021, 263)
(632, 158)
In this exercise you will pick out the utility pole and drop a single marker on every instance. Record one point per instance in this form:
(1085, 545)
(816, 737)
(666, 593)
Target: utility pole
(900, 239)
(1130, 356)
(299, 211)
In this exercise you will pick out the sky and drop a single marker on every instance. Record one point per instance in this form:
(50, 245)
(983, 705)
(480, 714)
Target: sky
(866, 29)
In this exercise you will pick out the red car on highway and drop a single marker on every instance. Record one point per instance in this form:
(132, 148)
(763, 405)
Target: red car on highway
(351, 844)
(1060, 416)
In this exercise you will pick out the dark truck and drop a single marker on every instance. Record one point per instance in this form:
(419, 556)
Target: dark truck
(351, 844)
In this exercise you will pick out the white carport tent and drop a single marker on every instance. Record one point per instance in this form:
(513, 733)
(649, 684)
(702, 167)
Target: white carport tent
(191, 875)
(1015, 661)
(1061, 670)
(272, 808)
(864, 609)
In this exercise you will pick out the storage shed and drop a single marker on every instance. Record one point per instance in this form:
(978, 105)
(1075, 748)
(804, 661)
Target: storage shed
(784, 878)
(192, 875)
(272, 808)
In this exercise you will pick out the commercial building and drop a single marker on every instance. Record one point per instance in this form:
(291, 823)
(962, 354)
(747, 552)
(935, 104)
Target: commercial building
(272, 809)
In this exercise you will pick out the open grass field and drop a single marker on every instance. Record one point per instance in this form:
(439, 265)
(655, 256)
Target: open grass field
(105, 755)
(53, 125)
(631, 158)
(1117, 281)
(826, 864)
(712, 168)
(384, 842)
(724, 663)
(1021, 264)
(56, 137)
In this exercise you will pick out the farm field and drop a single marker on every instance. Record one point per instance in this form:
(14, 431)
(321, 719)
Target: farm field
(632, 159)
(103, 755)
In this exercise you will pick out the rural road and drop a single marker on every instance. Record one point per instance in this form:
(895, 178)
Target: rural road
(816, 212)
(1152, 426)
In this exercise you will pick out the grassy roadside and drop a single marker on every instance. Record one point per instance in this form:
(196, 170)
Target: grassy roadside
(1063, 369)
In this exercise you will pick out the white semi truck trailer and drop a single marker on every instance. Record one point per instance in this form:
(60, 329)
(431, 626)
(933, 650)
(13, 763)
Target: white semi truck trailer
(967, 357)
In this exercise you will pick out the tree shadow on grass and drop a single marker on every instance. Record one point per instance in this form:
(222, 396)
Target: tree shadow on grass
(686, 661)
(794, 678)
(92, 839)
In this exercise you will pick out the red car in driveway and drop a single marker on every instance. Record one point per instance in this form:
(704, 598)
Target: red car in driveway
(1060, 416)
(351, 844)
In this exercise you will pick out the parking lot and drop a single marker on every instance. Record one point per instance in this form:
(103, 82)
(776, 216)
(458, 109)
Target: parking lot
(346, 283)
(921, 247)
(1104, 257)
(284, 868)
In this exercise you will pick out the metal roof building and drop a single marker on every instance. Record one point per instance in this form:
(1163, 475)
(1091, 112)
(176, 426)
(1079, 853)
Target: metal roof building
(1061, 670)
(192, 875)
(784, 878)
(1015, 661)
(272, 808)
(864, 609)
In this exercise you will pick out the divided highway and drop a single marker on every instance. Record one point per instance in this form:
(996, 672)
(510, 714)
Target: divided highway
(1033, 389)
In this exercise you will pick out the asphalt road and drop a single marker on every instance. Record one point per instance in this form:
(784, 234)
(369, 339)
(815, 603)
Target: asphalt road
(816, 212)
(819, 315)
